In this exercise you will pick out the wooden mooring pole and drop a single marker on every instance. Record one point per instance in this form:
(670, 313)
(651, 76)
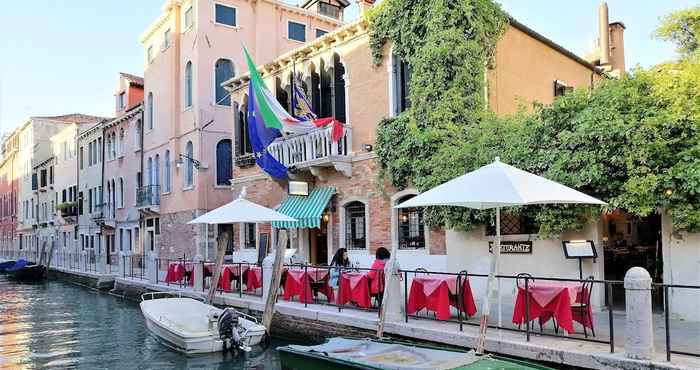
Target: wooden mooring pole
(275, 281)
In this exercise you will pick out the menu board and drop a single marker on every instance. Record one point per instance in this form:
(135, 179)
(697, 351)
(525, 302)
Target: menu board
(579, 249)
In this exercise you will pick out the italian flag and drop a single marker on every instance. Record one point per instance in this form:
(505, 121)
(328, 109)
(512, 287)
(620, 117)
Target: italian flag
(276, 117)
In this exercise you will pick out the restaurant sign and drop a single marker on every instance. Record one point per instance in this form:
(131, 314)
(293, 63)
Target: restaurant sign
(298, 188)
(514, 247)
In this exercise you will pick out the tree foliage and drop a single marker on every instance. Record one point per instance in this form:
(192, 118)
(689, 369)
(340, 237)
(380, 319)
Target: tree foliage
(682, 27)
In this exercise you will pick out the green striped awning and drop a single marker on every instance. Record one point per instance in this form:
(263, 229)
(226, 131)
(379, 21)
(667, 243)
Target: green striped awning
(306, 209)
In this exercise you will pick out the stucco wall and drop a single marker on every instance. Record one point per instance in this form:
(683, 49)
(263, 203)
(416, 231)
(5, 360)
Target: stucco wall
(681, 255)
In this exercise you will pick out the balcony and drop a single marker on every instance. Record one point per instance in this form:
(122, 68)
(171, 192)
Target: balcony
(104, 214)
(68, 211)
(148, 199)
(314, 151)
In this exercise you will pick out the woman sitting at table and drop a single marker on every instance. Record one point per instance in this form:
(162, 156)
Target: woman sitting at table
(340, 259)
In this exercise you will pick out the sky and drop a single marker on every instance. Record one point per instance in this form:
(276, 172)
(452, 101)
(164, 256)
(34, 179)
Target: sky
(64, 56)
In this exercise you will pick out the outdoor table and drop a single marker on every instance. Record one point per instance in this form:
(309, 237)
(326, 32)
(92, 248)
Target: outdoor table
(432, 292)
(253, 278)
(550, 299)
(228, 273)
(298, 283)
(354, 287)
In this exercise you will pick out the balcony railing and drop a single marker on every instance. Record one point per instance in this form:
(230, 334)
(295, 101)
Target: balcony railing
(311, 148)
(104, 211)
(148, 195)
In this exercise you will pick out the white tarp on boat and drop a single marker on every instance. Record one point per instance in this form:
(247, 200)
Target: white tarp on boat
(389, 355)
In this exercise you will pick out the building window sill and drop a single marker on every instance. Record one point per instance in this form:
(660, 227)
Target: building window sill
(188, 188)
(219, 186)
(223, 25)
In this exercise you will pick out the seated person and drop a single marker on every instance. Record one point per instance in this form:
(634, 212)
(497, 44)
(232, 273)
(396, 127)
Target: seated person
(340, 259)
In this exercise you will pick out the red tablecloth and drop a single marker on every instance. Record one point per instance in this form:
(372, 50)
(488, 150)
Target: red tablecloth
(299, 284)
(228, 273)
(176, 271)
(253, 278)
(354, 287)
(208, 269)
(551, 299)
(432, 292)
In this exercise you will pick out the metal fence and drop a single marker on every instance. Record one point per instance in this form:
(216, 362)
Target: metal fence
(666, 289)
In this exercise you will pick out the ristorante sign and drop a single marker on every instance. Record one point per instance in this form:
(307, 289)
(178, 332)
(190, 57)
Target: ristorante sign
(514, 247)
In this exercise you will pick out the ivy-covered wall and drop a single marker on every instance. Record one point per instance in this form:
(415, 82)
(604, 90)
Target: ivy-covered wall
(633, 142)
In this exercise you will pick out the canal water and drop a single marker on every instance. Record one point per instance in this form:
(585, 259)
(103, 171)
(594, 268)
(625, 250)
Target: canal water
(60, 325)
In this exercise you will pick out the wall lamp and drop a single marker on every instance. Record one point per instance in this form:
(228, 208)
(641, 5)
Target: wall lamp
(367, 147)
(197, 164)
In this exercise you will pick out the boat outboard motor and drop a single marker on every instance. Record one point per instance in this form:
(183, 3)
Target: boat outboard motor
(228, 329)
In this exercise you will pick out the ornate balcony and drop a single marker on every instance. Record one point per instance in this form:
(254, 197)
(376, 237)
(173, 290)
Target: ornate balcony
(148, 199)
(315, 150)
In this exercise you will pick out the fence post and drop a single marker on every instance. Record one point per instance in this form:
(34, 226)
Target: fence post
(639, 332)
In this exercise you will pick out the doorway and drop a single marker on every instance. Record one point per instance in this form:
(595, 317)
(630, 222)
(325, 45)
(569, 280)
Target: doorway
(630, 241)
(318, 244)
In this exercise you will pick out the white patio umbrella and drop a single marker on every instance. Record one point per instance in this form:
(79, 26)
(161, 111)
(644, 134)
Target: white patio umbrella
(494, 186)
(240, 210)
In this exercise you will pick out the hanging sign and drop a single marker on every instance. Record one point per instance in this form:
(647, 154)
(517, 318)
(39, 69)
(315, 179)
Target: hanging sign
(579, 249)
(298, 188)
(514, 247)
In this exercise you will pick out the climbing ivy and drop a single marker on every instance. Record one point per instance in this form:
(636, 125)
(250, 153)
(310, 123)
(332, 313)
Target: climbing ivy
(448, 45)
(633, 142)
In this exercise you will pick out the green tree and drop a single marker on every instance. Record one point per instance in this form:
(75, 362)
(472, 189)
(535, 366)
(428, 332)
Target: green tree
(682, 27)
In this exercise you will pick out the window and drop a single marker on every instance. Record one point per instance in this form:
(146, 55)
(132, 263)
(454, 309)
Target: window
(98, 151)
(225, 15)
(243, 144)
(514, 224)
(223, 70)
(137, 135)
(149, 54)
(51, 175)
(401, 76)
(296, 31)
(167, 180)
(249, 236)
(149, 171)
(561, 88)
(188, 85)
(328, 9)
(189, 165)
(410, 226)
(156, 171)
(121, 193)
(166, 39)
(188, 18)
(121, 141)
(339, 88)
(121, 100)
(149, 108)
(355, 233)
(320, 32)
(80, 159)
(223, 162)
(121, 240)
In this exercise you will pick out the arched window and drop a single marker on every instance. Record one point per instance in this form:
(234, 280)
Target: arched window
(355, 226)
(137, 133)
(282, 95)
(121, 141)
(149, 171)
(411, 228)
(401, 78)
(149, 110)
(223, 71)
(109, 147)
(189, 165)
(188, 85)
(156, 170)
(223, 162)
(113, 200)
(167, 180)
(114, 145)
(243, 144)
(338, 89)
(121, 192)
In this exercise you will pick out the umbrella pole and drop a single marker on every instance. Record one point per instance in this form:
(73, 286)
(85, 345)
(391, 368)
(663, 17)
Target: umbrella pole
(493, 268)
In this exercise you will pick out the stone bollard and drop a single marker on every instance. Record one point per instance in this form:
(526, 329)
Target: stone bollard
(152, 273)
(121, 263)
(639, 331)
(198, 273)
(267, 267)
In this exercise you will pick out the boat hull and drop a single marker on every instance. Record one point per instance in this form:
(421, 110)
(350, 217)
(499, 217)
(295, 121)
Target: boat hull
(29, 273)
(191, 335)
(6, 265)
(295, 359)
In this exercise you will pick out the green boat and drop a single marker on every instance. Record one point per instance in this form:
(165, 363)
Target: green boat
(347, 353)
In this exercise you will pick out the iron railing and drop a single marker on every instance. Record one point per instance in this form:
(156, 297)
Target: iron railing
(148, 195)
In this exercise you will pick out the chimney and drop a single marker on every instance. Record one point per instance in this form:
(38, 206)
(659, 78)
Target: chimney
(603, 34)
(364, 5)
(617, 46)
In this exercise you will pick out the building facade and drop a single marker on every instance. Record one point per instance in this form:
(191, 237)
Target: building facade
(122, 170)
(189, 51)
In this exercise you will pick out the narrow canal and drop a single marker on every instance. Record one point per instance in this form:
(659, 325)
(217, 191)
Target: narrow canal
(60, 325)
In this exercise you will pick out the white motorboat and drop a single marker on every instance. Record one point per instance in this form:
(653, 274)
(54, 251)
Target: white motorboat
(190, 326)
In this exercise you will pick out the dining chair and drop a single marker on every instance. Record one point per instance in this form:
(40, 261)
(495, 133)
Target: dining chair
(459, 296)
(582, 308)
(520, 283)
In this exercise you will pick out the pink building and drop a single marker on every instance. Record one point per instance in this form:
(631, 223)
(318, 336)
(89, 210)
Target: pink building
(193, 47)
(123, 166)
